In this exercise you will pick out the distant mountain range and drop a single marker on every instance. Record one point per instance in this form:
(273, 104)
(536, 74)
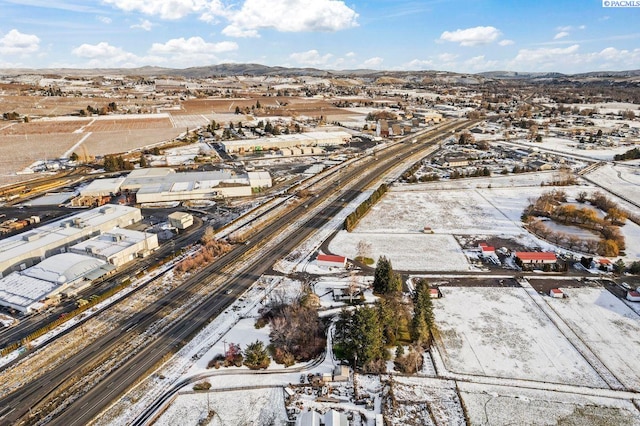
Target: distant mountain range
(224, 70)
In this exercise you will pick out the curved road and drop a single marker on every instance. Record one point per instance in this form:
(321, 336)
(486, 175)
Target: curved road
(18, 404)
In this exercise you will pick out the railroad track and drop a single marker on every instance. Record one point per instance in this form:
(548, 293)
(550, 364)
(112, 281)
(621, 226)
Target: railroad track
(49, 386)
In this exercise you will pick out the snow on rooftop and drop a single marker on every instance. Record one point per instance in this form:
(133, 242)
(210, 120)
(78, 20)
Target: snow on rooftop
(63, 268)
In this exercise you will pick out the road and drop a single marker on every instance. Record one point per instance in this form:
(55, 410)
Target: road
(86, 407)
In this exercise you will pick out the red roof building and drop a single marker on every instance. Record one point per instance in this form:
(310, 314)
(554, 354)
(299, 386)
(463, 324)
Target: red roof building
(633, 296)
(331, 260)
(487, 249)
(534, 257)
(556, 292)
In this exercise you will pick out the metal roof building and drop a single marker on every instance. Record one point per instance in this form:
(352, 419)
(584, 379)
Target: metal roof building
(167, 185)
(29, 248)
(26, 290)
(118, 246)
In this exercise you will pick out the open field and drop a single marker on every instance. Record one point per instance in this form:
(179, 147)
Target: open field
(407, 251)
(230, 407)
(501, 332)
(607, 326)
(114, 125)
(114, 142)
(500, 405)
(417, 398)
(43, 127)
(619, 178)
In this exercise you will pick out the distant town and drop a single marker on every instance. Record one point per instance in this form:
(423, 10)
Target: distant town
(277, 246)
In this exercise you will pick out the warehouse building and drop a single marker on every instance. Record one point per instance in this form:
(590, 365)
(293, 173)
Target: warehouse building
(297, 140)
(118, 246)
(32, 289)
(23, 250)
(162, 185)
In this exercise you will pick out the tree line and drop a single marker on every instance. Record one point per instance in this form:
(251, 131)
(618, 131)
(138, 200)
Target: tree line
(352, 220)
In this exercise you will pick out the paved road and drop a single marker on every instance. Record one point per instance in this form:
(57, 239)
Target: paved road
(82, 410)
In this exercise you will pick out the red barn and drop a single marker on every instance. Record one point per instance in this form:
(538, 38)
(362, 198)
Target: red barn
(535, 258)
(331, 260)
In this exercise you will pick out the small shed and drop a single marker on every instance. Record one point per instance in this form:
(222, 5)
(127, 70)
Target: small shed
(341, 373)
(435, 293)
(556, 293)
(331, 260)
(487, 250)
(633, 296)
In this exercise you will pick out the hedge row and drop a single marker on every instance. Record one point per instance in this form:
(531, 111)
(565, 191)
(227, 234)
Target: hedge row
(352, 220)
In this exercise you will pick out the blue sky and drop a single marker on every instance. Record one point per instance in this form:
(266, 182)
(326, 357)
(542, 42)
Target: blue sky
(451, 35)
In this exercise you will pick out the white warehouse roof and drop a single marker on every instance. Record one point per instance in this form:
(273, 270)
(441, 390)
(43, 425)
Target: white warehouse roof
(113, 242)
(25, 289)
(63, 268)
(39, 242)
(102, 187)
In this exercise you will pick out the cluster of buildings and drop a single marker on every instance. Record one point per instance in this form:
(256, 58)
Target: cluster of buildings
(283, 142)
(165, 184)
(66, 256)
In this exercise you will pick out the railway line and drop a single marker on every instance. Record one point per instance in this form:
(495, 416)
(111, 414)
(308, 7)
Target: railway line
(32, 403)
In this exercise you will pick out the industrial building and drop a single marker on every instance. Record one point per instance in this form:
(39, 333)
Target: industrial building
(317, 139)
(161, 185)
(180, 220)
(118, 246)
(23, 250)
(27, 291)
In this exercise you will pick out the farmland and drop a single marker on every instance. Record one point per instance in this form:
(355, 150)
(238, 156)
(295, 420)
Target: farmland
(488, 332)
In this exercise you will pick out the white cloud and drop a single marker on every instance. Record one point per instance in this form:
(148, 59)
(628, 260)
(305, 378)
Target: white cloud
(289, 16)
(16, 43)
(374, 62)
(545, 55)
(311, 58)
(170, 9)
(479, 63)
(419, 64)
(447, 57)
(472, 36)
(252, 16)
(566, 28)
(190, 46)
(104, 19)
(144, 24)
(560, 35)
(506, 42)
(350, 54)
(105, 55)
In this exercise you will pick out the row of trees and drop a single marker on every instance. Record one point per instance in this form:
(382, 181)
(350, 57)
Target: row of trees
(363, 335)
(255, 356)
(352, 220)
(113, 163)
(552, 205)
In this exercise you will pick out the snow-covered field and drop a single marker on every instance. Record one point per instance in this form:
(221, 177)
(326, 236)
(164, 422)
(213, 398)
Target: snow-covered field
(414, 251)
(619, 178)
(569, 146)
(502, 406)
(607, 326)
(230, 408)
(501, 332)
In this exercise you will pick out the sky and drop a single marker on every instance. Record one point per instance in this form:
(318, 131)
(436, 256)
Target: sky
(465, 36)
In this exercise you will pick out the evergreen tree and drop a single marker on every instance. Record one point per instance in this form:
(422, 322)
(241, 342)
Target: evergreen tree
(256, 356)
(422, 312)
(384, 279)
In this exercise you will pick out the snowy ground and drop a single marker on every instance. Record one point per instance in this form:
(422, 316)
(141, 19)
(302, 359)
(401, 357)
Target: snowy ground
(502, 405)
(501, 332)
(230, 408)
(607, 326)
(569, 146)
(407, 251)
(619, 178)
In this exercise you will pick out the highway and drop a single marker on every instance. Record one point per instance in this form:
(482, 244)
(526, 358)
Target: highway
(16, 407)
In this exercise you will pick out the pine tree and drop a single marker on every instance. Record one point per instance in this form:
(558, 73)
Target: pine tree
(423, 318)
(384, 279)
(256, 356)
